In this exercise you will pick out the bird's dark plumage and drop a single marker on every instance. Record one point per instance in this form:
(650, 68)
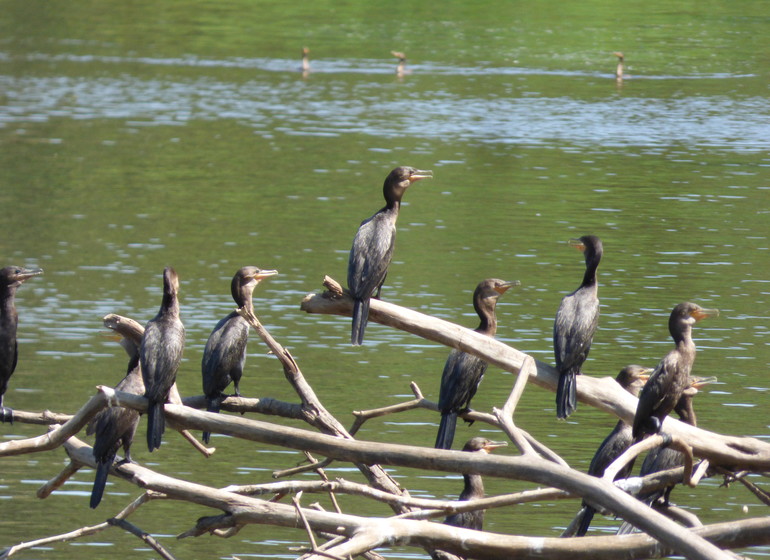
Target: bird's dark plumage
(463, 372)
(671, 376)
(373, 246)
(115, 426)
(631, 378)
(575, 325)
(11, 277)
(225, 352)
(473, 489)
(664, 458)
(160, 355)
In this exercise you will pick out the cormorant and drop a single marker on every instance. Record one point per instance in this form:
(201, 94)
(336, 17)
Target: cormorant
(463, 372)
(671, 376)
(160, 354)
(11, 277)
(400, 69)
(115, 426)
(619, 69)
(631, 378)
(225, 351)
(663, 458)
(305, 61)
(373, 246)
(472, 490)
(574, 327)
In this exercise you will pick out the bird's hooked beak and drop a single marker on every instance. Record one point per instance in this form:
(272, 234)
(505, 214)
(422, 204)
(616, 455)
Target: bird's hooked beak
(25, 274)
(504, 286)
(700, 313)
(420, 174)
(699, 382)
(577, 244)
(490, 445)
(262, 274)
(644, 375)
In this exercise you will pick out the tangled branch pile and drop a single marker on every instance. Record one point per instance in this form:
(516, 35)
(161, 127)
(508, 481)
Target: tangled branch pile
(337, 534)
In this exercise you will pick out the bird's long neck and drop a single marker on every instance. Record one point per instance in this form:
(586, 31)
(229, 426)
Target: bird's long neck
(474, 487)
(7, 306)
(589, 278)
(486, 312)
(488, 324)
(170, 305)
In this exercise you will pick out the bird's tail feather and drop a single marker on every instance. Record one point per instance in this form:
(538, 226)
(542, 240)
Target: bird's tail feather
(156, 424)
(360, 318)
(213, 406)
(566, 394)
(100, 481)
(587, 515)
(446, 431)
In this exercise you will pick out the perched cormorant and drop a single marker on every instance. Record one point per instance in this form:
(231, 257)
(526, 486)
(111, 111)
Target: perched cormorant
(11, 277)
(473, 490)
(671, 376)
(463, 372)
(574, 327)
(619, 69)
(160, 354)
(115, 426)
(225, 351)
(663, 458)
(631, 378)
(400, 69)
(373, 246)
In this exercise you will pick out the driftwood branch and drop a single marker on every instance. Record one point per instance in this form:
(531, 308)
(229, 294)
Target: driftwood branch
(602, 393)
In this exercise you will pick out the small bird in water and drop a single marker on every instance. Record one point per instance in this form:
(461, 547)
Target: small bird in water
(632, 379)
(463, 372)
(671, 376)
(11, 277)
(225, 352)
(305, 68)
(115, 426)
(160, 355)
(619, 68)
(473, 490)
(575, 325)
(401, 68)
(373, 247)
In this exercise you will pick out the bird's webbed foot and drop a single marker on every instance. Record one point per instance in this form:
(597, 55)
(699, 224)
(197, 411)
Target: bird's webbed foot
(466, 411)
(6, 414)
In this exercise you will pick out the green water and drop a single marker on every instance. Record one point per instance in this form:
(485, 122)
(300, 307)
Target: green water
(137, 135)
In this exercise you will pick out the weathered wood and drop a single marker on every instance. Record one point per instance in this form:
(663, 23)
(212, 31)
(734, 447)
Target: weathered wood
(603, 393)
(386, 532)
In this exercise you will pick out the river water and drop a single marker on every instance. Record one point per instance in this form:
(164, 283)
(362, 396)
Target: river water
(136, 136)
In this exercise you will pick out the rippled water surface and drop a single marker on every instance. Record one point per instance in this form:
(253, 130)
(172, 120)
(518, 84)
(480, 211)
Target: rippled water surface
(137, 136)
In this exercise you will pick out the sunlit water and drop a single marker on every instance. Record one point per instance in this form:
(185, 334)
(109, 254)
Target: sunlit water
(119, 165)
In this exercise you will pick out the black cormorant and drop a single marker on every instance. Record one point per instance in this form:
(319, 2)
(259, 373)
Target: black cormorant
(463, 372)
(574, 327)
(400, 69)
(671, 376)
(11, 277)
(631, 378)
(473, 490)
(160, 354)
(115, 426)
(663, 458)
(373, 247)
(225, 351)
(619, 69)
(305, 68)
